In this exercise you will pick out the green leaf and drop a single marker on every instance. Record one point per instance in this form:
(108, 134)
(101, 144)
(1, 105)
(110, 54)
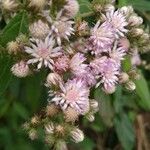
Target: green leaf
(143, 92)
(142, 6)
(126, 64)
(106, 110)
(84, 6)
(5, 74)
(18, 25)
(125, 131)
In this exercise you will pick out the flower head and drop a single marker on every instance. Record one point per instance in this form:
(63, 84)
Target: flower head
(74, 94)
(71, 8)
(107, 69)
(77, 64)
(20, 69)
(43, 52)
(101, 39)
(61, 29)
(62, 63)
(39, 29)
(118, 22)
(37, 4)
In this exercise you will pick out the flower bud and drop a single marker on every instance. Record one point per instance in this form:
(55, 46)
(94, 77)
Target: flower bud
(109, 89)
(90, 117)
(39, 29)
(134, 20)
(61, 145)
(137, 32)
(35, 120)
(93, 104)
(134, 75)
(13, 47)
(60, 130)
(71, 115)
(126, 10)
(9, 5)
(21, 69)
(49, 128)
(130, 86)
(33, 134)
(51, 110)
(77, 135)
(124, 77)
(71, 8)
(53, 79)
(37, 4)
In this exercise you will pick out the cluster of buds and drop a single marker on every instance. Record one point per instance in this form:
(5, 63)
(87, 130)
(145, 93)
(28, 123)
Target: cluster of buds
(78, 57)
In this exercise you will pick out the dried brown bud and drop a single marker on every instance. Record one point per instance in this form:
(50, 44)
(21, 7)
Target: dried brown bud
(52, 110)
(71, 115)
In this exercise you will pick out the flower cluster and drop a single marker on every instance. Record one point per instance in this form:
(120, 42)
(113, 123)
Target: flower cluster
(78, 58)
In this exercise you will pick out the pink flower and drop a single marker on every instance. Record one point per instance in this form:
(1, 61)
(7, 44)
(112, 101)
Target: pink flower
(62, 63)
(101, 39)
(107, 70)
(43, 52)
(74, 94)
(77, 65)
(117, 20)
(124, 43)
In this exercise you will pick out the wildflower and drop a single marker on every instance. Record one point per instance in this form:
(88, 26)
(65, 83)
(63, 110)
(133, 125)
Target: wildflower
(39, 29)
(101, 39)
(71, 8)
(77, 64)
(108, 71)
(135, 20)
(118, 22)
(77, 135)
(124, 43)
(61, 29)
(74, 94)
(20, 69)
(43, 52)
(62, 63)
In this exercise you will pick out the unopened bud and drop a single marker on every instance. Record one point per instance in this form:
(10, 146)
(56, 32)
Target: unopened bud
(60, 130)
(77, 135)
(93, 104)
(90, 117)
(9, 5)
(37, 4)
(61, 145)
(35, 120)
(71, 8)
(137, 32)
(134, 75)
(49, 128)
(109, 89)
(13, 47)
(124, 77)
(33, 134)
(126, 10)
(53, 79)
(134, 20)
(39, 29)
(21, 69)
(130, 86)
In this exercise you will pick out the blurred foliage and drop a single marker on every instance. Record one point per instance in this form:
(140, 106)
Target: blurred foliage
(22, 98)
